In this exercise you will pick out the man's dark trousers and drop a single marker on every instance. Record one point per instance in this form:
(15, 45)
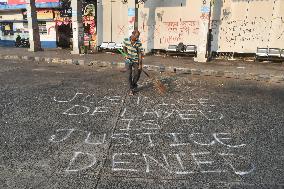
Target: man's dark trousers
(134, 73)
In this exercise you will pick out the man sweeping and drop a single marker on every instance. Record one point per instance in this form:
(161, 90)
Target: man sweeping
(132, 46)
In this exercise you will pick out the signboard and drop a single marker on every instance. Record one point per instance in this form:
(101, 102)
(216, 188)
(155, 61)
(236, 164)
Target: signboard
(66, 12)
(16, 2)
(45, 14)
(20, 2)
(131, 20)
(131, 12)
(41, 14)
(205, 9)
(47, 1)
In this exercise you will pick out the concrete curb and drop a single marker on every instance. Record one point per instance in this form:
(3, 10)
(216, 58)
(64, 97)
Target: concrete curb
(48, 60)
(207, 72)
(228, 74)
(13, 57)
(161, 68)
(28, 58)
(39, 59)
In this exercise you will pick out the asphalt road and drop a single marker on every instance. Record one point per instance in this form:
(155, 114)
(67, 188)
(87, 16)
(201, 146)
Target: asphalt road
(65, 126)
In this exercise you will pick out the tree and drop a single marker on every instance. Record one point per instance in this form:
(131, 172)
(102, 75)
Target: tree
(136, 12)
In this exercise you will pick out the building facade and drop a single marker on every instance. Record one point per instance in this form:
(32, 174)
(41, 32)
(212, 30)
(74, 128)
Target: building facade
(54, 20)
(242, 26)
(237, 25)
(13, 22)
(161, 23)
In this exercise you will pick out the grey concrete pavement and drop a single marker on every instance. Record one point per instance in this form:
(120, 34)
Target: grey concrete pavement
(259, 71)
(64, 126)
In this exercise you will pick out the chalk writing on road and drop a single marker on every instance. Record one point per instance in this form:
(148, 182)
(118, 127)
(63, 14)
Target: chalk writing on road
(147, 131)
(172, 139)
(96, 106)
(177, 163)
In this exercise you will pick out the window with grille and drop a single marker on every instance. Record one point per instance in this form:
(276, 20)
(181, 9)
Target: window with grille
(42, 27)
(7, 28)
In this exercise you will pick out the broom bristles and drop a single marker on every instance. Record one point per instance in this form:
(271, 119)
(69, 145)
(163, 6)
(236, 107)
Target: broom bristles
(160, 86)
(157, 83)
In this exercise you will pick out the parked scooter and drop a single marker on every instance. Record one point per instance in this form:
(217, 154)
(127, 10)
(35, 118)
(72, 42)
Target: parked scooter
(22, 42)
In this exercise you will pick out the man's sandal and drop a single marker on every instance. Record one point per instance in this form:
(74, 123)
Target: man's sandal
(131, 93)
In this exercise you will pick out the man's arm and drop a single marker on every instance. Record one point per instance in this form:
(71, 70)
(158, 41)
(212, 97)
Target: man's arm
(140, 60)
(140, 54)
(125, 49)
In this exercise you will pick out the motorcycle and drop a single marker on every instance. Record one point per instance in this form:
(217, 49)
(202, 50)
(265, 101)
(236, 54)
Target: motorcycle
(22, 42)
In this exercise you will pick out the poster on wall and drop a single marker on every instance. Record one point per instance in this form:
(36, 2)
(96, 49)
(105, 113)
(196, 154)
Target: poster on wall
(89, 22)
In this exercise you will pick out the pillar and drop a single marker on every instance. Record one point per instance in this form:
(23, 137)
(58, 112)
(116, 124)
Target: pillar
(205, 10)
(34, 37)
(131, 16)
(100, 21)
(136, 15)
(77, 26)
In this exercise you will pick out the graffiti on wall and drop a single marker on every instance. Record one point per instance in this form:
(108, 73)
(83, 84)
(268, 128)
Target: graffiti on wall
(277, 27)
(178, 31)
(145, 37)
(121, 30)
(167, 31)
(255, 30)
(174, 31)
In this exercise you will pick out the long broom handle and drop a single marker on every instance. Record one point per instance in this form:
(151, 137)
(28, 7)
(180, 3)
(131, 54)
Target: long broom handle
(146, 73)
(161, 87)
(124, 55)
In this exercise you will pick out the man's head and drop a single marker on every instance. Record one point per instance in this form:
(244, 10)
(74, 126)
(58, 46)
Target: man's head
(135, 35)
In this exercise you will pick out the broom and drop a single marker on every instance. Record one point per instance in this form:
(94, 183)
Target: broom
(157, 83)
